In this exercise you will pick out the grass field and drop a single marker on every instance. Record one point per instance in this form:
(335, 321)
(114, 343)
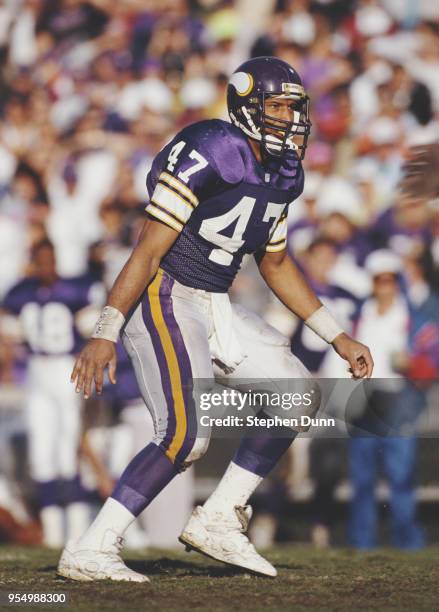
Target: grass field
(308, 580)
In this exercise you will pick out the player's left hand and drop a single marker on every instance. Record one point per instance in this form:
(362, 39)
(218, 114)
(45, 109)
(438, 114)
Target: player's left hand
(356, 354)
(89, 367)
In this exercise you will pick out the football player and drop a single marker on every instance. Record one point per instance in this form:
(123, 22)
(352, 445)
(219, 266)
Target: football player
(51, 311)
(218, 191)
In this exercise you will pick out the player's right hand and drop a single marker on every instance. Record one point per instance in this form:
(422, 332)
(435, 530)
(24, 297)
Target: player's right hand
(91, 363)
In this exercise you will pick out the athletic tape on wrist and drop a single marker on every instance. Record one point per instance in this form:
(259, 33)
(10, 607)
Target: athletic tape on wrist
(324, 325)
(109, 324)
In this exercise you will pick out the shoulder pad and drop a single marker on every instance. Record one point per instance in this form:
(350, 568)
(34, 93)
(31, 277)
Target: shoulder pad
(220, 143)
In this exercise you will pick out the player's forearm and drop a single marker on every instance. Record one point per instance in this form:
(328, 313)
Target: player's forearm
(288, 284)
(134, 277)
(154, 242)
(127, 289)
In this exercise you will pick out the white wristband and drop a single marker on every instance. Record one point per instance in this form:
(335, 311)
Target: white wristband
(109, 324)
(324, 325)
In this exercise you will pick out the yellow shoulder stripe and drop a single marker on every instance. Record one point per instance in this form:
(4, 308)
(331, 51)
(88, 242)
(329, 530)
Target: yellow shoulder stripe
(183, 189)
(162, 216)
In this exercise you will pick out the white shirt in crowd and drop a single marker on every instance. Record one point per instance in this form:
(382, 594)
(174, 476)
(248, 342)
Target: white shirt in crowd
(385, 334)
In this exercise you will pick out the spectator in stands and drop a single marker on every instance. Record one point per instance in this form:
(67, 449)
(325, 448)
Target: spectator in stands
(381, 439)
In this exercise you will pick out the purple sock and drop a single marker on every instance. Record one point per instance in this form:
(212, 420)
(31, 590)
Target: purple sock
(143, 479)
(261, 452)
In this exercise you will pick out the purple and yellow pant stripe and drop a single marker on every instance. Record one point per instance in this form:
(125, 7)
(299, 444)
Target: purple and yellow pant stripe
(175, 369)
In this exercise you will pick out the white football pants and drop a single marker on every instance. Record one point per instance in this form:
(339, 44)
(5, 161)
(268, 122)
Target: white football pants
(53, 418)
(169, 339)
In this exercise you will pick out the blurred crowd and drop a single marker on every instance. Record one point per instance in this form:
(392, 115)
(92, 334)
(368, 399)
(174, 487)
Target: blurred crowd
(90, 91)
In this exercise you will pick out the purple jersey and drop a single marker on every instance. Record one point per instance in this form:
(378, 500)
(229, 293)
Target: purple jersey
(305, 344)
(47, 314)
(208, 185)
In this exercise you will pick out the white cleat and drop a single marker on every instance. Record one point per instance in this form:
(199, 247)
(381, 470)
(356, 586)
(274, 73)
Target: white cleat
(85, 565)
(223, 538)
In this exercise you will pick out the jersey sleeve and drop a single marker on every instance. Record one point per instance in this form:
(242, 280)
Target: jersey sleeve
(278, 238)
(182, 179)
(195, 164)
